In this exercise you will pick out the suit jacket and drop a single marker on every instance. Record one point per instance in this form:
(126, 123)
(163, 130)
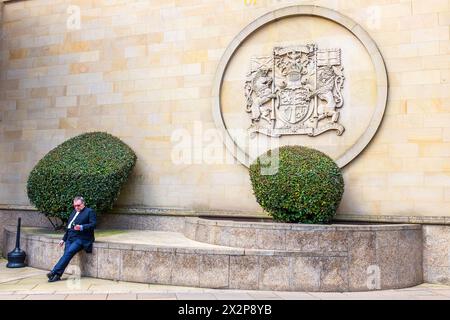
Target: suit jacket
(88, 220)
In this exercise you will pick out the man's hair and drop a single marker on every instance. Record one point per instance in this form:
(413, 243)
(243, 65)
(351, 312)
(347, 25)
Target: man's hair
(79, 198)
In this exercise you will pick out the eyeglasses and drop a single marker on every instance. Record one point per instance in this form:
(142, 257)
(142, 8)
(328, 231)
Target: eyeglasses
(77, 205)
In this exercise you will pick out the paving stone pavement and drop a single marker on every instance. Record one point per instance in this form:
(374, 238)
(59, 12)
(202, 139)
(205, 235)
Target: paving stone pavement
(31, 284)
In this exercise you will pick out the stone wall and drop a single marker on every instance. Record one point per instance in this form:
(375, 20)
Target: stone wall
(436, 254)
(363, 258)
(142, 70)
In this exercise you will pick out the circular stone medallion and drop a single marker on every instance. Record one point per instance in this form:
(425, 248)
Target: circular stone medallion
(300, 75)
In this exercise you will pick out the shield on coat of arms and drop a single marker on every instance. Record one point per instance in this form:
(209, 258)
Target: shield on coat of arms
(294, 105)
(301, 91)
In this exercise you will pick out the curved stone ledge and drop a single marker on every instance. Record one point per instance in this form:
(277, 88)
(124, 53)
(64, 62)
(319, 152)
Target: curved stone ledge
(397, 253)
(289, 236)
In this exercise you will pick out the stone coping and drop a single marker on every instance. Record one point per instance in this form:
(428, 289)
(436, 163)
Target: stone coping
(42, 235)
(163, 211)
(302, 227)
(290, 236)
(394, 219)
(183, 212)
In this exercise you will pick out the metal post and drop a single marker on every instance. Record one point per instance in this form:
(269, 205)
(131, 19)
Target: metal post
(16, 258)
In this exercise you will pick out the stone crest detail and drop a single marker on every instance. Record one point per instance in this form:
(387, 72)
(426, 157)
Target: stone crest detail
(296, 90)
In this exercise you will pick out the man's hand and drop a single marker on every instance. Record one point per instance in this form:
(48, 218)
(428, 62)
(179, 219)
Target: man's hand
(77, 227)
(61, 243)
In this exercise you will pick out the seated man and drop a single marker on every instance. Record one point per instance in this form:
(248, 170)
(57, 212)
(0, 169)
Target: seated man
(79, 235)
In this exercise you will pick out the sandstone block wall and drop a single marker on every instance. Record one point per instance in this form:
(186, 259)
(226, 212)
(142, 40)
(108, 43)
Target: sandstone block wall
(142, 70)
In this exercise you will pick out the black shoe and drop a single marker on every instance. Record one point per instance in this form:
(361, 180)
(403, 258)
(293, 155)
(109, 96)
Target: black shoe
(56, 277)
(50, 275)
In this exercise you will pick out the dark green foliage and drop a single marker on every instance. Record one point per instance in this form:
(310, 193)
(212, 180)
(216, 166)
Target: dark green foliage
(93, 165)
(307, 186)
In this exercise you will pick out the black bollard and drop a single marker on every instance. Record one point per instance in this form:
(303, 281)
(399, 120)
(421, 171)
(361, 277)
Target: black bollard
(16, 258)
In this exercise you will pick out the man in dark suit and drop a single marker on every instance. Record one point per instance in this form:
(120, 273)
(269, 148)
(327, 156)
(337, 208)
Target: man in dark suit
(79, 235)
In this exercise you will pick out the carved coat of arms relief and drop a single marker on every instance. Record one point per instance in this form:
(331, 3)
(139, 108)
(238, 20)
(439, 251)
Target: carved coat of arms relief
(296, 90)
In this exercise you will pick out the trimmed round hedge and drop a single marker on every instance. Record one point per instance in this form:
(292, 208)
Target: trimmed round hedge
(306, 186)
(94, 165)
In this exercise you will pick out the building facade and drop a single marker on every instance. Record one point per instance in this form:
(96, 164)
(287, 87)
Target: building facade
(144, 69)
(146, 72)
(173, 79)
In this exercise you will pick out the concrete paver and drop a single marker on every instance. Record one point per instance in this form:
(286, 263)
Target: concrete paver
(233, 296)
(13, 297)
(89, 296)
(29, 292)
(122, 296)
(264, 295)
(296, 296)
(72, 292)
(16, 287)
(15, 274)
(431, 297)
(329, 295)
(443, 292)
(45, 297)
(111, 289)
(156, 296)
(195, 296)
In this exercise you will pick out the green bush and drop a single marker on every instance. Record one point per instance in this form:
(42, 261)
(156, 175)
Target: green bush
(306, 187)
(94, 165)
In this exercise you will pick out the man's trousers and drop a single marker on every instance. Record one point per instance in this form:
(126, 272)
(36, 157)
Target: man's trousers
(71, 248)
